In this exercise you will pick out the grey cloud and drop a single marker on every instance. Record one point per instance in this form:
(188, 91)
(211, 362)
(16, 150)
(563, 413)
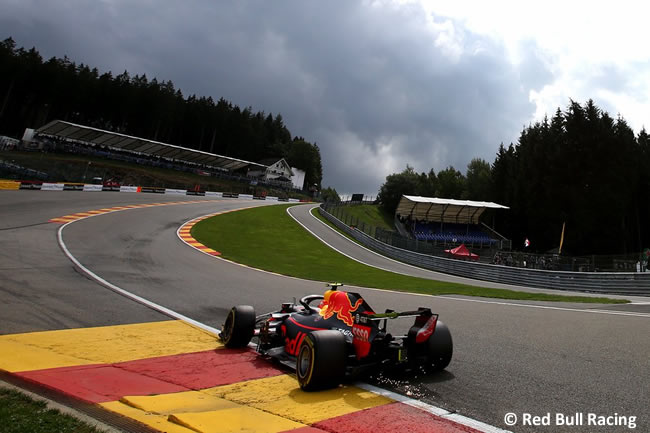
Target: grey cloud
(366, 83)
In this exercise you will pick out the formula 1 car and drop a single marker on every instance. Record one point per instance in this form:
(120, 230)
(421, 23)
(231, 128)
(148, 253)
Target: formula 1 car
(340, 338)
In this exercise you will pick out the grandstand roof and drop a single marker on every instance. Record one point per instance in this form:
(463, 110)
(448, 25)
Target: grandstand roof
(99, 137)
(442, 209)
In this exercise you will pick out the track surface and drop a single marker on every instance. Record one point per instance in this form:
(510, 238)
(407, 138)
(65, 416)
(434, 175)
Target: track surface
(508, 358)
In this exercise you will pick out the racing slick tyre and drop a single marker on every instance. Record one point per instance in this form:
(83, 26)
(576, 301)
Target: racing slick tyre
(441, 347)
(239, 327)
(321, 360)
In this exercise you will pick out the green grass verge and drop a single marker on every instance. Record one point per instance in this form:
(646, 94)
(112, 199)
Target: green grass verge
(371, 215)
(20, 413)
(267, 238)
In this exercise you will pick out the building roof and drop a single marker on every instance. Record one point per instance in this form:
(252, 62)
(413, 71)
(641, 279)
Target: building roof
(99, 137)
(442, 209)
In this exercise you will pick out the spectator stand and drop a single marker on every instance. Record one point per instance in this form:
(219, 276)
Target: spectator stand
(448, 223)
(73, 138)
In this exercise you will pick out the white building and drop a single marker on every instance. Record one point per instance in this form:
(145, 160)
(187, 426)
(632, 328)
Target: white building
(276, 170)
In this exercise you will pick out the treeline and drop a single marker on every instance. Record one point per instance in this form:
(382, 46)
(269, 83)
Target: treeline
(582, 167)
(34, 92)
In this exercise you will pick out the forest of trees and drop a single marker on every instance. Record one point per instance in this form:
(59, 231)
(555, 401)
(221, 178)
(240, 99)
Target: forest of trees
(34, 92)
(582, 167)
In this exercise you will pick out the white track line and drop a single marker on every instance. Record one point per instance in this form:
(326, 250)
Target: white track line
(478, 425)
(443, 413)
(119, 290)
(434, 410)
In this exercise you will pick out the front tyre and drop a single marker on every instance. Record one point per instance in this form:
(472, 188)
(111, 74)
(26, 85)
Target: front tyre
(239, 327)
(321, 360)
(441, 347)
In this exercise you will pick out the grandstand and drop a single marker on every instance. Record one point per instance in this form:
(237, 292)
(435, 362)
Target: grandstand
(451, 232)
(116, 142)
(447, 222)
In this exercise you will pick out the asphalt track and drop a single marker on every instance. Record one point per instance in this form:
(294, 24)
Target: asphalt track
(508, 358)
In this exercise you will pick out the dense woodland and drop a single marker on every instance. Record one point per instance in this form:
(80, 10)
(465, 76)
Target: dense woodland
(34, 92)
(582, 167)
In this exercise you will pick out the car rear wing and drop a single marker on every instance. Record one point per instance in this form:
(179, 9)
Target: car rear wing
(389, 314)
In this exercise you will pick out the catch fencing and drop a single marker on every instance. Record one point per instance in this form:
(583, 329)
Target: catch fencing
(636, 283)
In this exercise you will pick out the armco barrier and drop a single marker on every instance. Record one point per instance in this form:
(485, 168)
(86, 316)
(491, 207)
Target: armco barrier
(213, 194)
(602, 282)
(270, 198)
(246, 196)
(128, 189)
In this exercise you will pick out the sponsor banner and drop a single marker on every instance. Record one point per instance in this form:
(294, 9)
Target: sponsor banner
(9, 184)
(51, 186)
(152, 190)
(294, 200)
(175, 191)
(283, 199)
(259, 197)
(213, 194)
(246, 196)
(196, 193)
(92, 187)
(271, 198)
(230, 195)
(128, 189)
(73, 186)
(28, 184)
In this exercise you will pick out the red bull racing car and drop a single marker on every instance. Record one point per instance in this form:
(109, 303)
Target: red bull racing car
(339, 338)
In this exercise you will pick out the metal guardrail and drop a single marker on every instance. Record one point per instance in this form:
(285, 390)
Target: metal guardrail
(632, 283)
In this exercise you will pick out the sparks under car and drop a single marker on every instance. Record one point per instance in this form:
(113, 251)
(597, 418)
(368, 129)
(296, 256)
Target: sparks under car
(340, 338)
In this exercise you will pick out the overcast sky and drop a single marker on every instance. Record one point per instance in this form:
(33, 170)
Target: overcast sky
(376, 84)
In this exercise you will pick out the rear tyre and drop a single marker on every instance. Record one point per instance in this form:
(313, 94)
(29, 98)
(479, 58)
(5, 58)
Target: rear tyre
(321, 360)
(239, 327)
(441, 347)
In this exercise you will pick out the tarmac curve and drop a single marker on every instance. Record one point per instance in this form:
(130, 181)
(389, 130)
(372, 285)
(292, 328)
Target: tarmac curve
(508, 358)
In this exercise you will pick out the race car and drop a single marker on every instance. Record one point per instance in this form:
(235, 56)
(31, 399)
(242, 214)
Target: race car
(340, 338)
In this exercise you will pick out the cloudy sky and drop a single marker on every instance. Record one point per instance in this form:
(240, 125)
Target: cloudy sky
(376, 84)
